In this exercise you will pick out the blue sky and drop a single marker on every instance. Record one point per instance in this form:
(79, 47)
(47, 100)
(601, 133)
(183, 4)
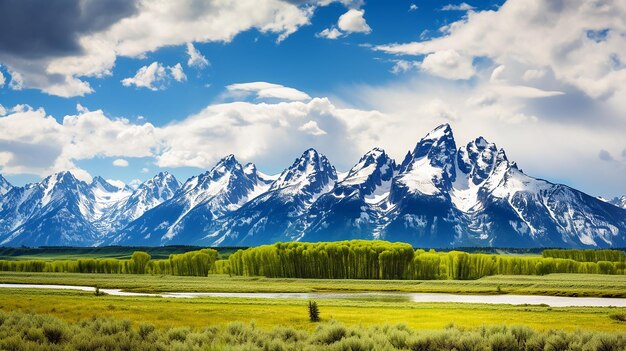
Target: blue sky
(550, 94)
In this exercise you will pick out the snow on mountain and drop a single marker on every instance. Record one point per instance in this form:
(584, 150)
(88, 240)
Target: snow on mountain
(619, 201)
(419, 204)
(429, 169)
(103, 197)
(51, 212)
(505, 206)
(272, 216)
(440, 196)
(200, 200)
(476, 197)
(352, 209)
(5, 186)
(59, 210)
(148, 195)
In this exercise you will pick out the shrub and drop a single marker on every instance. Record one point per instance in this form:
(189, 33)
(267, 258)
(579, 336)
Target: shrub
(398, 338)
(503, 342)
(178, 334)
(556, 342)
(354, 343)
(330, 334)
(145, 330)
(620, 317)
(54, 333)
(32, 332)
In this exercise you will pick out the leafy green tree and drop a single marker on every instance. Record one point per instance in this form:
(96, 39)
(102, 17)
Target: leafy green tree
(140, 261)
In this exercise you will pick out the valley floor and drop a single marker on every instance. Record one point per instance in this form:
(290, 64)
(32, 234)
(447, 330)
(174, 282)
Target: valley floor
(202, 312)
(587, 285)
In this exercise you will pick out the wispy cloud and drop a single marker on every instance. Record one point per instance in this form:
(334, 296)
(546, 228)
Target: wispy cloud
(264, 90)
(458, 7)
(155, 76)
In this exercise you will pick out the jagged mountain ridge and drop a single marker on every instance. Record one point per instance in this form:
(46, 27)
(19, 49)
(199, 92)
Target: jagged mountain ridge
(619, 201)
(440, 196)
(273, 216)
(199, 201)
(5, 186)
(64, 211)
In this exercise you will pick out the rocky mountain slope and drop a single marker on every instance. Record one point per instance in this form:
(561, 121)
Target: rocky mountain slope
(441, 195)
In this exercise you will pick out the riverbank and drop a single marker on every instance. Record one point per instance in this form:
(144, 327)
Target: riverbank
(268, 313)
(503, 299)
(575, 285)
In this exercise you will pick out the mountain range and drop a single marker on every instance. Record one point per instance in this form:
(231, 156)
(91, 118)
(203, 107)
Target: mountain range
(439, 196)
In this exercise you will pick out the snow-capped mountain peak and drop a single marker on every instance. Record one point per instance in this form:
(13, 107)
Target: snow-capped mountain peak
(619, 201)
(156, 190)
(440, 196)
(148, 195)
(105, 185)
(311, 173)
(429, 169)
(5, 186)
(373, 172)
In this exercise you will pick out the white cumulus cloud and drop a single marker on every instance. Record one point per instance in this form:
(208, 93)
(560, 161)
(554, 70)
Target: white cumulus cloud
(448, 64)
(156, 24)
(36, 143)
(353, 21)
(312, 128)
(330, 33)
(155, 76)
(542, 43)
(177, 73)
(120, 162)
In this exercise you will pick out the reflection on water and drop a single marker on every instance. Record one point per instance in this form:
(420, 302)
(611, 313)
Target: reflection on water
(553, 301)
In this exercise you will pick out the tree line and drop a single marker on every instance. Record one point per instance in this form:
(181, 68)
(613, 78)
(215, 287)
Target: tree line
(192, 263)
(587, 255)
(363, 259)
(356, 259)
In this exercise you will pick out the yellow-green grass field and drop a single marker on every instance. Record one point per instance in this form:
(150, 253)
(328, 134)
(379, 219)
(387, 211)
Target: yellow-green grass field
(201, 312)
(553, 284)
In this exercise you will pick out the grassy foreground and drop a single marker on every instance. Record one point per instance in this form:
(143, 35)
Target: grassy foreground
(201, 312)
(553, 284)
(20, 331)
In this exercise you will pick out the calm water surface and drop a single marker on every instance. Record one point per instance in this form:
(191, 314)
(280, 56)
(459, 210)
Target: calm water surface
(553, 301)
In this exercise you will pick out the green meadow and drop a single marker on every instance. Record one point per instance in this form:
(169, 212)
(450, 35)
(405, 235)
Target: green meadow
(588, 285)
(65, 320)
(266, 313)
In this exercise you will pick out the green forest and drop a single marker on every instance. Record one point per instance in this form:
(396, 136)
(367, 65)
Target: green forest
(362, 259)
(587, 255)
(192, 263)
(355, 259)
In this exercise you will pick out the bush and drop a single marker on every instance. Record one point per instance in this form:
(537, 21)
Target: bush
(54, 333)
(620, 317)
(178, 334)
(330, 334)
(33, 332)
(145, 330)
(503, 342)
